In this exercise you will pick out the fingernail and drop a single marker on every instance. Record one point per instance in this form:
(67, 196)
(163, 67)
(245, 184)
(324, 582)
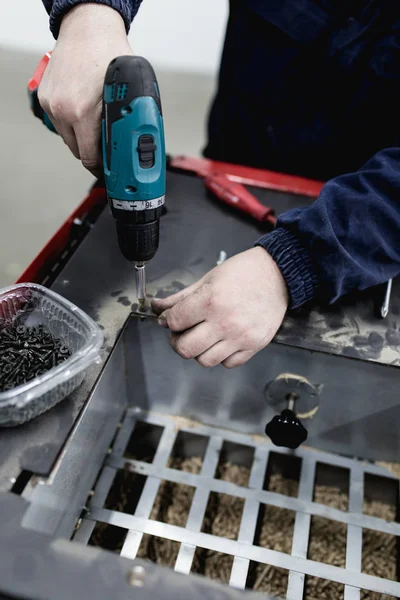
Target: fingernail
(162, 321)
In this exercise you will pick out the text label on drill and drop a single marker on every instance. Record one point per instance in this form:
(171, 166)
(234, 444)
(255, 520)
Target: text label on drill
(138, 204)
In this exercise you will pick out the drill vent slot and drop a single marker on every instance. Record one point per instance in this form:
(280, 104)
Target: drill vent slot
(122, 91)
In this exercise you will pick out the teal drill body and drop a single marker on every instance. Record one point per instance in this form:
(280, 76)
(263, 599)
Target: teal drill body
(126, 180)
(134, 155)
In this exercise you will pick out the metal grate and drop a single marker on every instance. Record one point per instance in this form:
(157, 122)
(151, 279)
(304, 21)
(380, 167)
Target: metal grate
(211, 443)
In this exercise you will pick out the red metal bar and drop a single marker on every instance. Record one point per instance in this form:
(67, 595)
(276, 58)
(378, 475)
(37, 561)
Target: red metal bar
(57, 244)
(204, 167)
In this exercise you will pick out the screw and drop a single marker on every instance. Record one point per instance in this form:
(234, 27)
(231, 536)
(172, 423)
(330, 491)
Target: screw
(222, 257)
(7, 360)
(6, 333)
(28, 352)
(291, 398)
(136, 576)
(14, 372)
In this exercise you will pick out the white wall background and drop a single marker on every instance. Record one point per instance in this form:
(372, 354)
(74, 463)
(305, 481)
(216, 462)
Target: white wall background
(181, 35)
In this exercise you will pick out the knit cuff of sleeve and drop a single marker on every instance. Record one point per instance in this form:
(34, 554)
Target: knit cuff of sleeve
(295, 264)
(126, 8)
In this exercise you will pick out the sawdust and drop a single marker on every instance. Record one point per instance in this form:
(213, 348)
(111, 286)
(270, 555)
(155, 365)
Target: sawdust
(184, 423)
(379, 549)
(327, 541)
(172, 505)
(123, 497)
(331, 496)
(274, 531)
(222, 517)
(327, 544)
(393, 468)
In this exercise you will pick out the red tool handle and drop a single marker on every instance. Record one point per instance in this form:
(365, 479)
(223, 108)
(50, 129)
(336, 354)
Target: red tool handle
(35, 80)
(236, 195)
(33, 86)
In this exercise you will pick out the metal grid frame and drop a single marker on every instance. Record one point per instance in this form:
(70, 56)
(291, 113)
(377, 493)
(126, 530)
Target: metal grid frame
(190, 537)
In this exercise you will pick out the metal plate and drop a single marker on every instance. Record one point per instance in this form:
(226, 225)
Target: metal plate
(358, 400)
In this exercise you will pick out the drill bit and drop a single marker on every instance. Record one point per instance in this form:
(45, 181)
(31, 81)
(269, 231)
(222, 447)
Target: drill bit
(141, 284)
(386, 301)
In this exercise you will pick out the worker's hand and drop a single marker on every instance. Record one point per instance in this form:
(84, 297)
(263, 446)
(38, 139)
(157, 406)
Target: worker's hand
(91, 35)
(230, 314)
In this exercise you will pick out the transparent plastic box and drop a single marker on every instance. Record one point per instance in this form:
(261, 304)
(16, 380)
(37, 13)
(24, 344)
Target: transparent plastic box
(30, 305)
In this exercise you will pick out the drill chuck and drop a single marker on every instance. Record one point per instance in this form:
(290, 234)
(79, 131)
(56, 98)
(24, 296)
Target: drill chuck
(138, 242)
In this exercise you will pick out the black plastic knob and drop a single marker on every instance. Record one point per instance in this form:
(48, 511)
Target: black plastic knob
(286, 430)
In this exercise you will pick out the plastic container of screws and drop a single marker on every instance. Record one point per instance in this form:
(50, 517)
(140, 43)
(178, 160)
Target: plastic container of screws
(29, 305)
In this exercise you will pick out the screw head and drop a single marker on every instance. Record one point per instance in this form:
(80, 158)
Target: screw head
(136, 576)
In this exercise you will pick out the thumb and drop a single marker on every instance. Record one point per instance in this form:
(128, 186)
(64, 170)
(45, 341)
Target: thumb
(160, 304)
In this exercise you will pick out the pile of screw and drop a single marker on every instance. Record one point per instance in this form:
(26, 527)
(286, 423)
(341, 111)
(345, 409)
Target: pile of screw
(26, 353)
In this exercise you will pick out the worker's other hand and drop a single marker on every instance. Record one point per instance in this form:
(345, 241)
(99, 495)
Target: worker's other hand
(230, 314)
(91, 35)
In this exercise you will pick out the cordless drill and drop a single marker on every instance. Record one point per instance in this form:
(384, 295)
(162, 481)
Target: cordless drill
(134, 159)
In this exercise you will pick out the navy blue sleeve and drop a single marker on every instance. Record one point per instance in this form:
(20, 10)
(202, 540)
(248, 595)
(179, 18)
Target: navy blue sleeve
(348, 239)
(57, 9)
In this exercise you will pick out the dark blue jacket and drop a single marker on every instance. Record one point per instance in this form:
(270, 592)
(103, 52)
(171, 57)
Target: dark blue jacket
(312, 87)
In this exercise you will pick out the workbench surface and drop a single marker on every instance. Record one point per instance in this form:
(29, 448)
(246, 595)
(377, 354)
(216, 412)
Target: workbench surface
(193, 232)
